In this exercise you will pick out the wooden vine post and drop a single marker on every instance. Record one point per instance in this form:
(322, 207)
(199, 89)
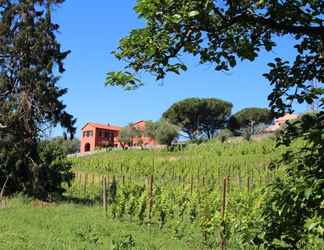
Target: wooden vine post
(85, 184)
(248, 184)
(2, 199)
(151, 197)
(80, 185)
(183, 182)
(223, 207)
(104, 194)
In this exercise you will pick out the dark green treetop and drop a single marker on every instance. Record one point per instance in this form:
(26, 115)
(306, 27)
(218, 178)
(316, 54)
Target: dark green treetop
(245, 117)
(199, 116)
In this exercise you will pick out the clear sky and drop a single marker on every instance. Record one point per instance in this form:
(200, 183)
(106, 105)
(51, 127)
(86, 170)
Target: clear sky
(91, 30)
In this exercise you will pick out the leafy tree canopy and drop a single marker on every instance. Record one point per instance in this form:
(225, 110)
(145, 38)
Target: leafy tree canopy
(250, 117)
(163, 131)
(196, 116)
(150, 129)
(222, 32)
(127, 135)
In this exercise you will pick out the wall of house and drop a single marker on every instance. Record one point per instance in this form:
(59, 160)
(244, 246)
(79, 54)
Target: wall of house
(93, 137)
(87, 139)
(280, 121)
(102, 139)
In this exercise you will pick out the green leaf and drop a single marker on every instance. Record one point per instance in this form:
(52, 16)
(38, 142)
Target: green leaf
(193, 13)
(308, 193)
(176, 18)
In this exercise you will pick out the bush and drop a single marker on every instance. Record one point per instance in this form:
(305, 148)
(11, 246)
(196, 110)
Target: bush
(293, 207)
(68, 146)
(224, 135)
(166, 133)
(42, 177)
(125, 243)
(163, 131)
(52, 171)
(247, 134)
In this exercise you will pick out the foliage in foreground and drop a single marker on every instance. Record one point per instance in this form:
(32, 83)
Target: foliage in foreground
(293, 211)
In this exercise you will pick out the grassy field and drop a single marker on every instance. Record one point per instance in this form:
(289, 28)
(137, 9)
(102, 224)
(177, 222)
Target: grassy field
(33, 225)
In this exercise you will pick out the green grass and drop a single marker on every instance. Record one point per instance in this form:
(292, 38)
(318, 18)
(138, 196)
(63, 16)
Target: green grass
(68, 226)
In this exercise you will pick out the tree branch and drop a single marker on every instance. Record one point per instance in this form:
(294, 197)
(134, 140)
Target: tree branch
(3, 188)
(270, 23)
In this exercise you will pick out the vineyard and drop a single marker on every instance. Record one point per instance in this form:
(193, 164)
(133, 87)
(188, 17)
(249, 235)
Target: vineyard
(206, 196)
(209, 192)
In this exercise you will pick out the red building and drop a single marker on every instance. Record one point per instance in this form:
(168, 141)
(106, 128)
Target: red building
(281, 121)
(96, 136)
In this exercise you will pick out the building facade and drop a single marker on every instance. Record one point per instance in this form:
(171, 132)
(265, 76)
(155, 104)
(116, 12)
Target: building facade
(280, 121)
(95, 136)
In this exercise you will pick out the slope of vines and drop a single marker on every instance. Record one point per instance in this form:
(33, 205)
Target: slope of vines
(184, 190)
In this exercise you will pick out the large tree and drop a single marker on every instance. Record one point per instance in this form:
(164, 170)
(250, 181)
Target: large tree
(222, 32)
(250, 118)
(31, 60)
(128, 134)
(163, 131)
(199, 116)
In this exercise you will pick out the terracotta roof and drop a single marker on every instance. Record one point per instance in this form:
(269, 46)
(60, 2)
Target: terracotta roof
(287, 117)
(134, 123)
(102, 126)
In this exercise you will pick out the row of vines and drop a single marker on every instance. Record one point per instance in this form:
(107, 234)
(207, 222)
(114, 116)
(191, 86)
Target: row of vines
(207, 194)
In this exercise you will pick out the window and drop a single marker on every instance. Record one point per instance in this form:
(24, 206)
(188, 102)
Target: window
(87, 133)
(111, 135)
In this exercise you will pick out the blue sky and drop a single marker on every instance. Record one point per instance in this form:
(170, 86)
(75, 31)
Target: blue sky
(92, 31)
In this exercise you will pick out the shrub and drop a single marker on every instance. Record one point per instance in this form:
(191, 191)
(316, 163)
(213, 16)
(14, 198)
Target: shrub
(52, 171)
(224, 135)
